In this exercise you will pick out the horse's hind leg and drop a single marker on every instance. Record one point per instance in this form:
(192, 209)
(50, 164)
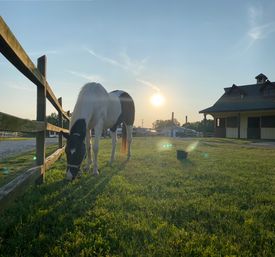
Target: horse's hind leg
(114, 142)
(98, 132)
(129, 130)
(88, 150)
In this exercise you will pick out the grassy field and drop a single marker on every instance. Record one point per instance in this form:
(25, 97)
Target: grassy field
(219, 202)
(12, 166)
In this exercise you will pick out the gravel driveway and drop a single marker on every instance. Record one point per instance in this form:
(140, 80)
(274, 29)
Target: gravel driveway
(8, 148)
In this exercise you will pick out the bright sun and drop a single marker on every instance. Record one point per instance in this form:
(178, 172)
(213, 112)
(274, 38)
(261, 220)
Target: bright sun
(157, 99)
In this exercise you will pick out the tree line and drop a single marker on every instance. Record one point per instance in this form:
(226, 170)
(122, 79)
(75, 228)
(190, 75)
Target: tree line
(158, 125)
(53, 119)
(200, 126)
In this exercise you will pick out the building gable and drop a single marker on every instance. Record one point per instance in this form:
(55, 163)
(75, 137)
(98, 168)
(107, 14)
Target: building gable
(260, 96)
(234, 89)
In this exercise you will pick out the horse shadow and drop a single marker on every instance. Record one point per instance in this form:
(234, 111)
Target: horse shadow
(45, 213)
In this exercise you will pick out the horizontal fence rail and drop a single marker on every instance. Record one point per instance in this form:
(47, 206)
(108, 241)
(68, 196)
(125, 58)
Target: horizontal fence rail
(12, 123)
(17, 185)
(14, 52)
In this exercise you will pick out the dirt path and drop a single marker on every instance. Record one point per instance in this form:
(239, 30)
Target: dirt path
(9, 148)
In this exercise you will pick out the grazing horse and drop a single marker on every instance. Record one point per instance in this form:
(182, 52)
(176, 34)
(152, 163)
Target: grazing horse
(96, 109)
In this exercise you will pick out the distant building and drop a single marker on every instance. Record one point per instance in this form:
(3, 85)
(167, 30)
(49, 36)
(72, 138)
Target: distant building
(246, 111)
(52, 134)
(177, 131)
(144, 132)
(8, 134)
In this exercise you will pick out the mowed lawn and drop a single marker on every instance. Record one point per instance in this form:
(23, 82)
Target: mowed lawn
(219, 202)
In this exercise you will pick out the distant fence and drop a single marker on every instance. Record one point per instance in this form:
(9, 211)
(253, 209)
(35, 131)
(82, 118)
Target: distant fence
(13, 51)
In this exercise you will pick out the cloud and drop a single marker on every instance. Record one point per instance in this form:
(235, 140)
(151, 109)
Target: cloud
(149, 84)
(106, 59)
(262, 31)
(254, 15)
(125, 62)
(19, 86)
(89, 77)
(136, 67)
(258, 29)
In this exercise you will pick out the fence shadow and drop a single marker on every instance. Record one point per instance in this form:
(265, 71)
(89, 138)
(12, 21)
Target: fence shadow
(38, 219)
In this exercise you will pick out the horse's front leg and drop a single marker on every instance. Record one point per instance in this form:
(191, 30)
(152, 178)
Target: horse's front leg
(98, 132)
(114, 142)
(88, 150)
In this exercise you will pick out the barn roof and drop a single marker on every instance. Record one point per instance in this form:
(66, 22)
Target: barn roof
(245, 98)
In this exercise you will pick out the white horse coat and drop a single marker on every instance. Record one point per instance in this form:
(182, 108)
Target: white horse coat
(96, 109)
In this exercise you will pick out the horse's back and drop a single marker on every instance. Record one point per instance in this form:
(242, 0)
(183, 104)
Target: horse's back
(96, 105)
(91, 103)
(93, 89)
(127, 114)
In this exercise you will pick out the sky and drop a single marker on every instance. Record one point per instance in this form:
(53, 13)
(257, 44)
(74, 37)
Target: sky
(188, 51)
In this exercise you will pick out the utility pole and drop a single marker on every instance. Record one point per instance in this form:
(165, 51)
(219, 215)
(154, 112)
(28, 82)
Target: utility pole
(173, 117)
(172, 130)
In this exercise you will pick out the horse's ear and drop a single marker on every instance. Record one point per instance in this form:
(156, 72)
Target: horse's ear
(65, 134)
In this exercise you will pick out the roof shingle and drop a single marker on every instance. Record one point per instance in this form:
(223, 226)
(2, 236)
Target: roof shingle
(245, 98)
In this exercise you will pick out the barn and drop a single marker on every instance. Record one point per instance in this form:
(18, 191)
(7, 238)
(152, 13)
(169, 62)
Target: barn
(245, 111)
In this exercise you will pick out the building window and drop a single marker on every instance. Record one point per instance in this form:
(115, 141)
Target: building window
(232, 122)
(220, 122)
(253, 122)
(269, 91)
(268, 122)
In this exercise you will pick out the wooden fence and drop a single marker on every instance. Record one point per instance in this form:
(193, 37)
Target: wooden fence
(13, 51)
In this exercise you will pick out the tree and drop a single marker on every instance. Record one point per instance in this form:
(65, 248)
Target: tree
(53, 119)
(199, 126)
(161, 124)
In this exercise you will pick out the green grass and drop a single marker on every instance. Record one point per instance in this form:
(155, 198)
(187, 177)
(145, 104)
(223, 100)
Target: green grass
(219, 202)
(17, 164)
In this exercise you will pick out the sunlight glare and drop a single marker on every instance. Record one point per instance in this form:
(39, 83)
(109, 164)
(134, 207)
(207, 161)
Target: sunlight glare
(157, 100)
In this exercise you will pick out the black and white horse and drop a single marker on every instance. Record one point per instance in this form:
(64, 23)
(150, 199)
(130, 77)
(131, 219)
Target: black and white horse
(96, 109)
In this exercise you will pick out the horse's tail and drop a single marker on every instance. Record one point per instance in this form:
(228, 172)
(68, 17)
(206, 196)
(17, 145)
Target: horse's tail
(124, 139)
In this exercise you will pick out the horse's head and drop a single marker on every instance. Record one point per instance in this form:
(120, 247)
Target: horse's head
(75, 148)
(75, 152)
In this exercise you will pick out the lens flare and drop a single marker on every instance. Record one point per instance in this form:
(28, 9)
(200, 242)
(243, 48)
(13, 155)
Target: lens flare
(192, 147)
(205, 155)
(167, 146)
(164, 146)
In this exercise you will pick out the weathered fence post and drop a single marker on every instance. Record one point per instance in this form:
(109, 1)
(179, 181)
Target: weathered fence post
(60, 123)
(41, 116)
